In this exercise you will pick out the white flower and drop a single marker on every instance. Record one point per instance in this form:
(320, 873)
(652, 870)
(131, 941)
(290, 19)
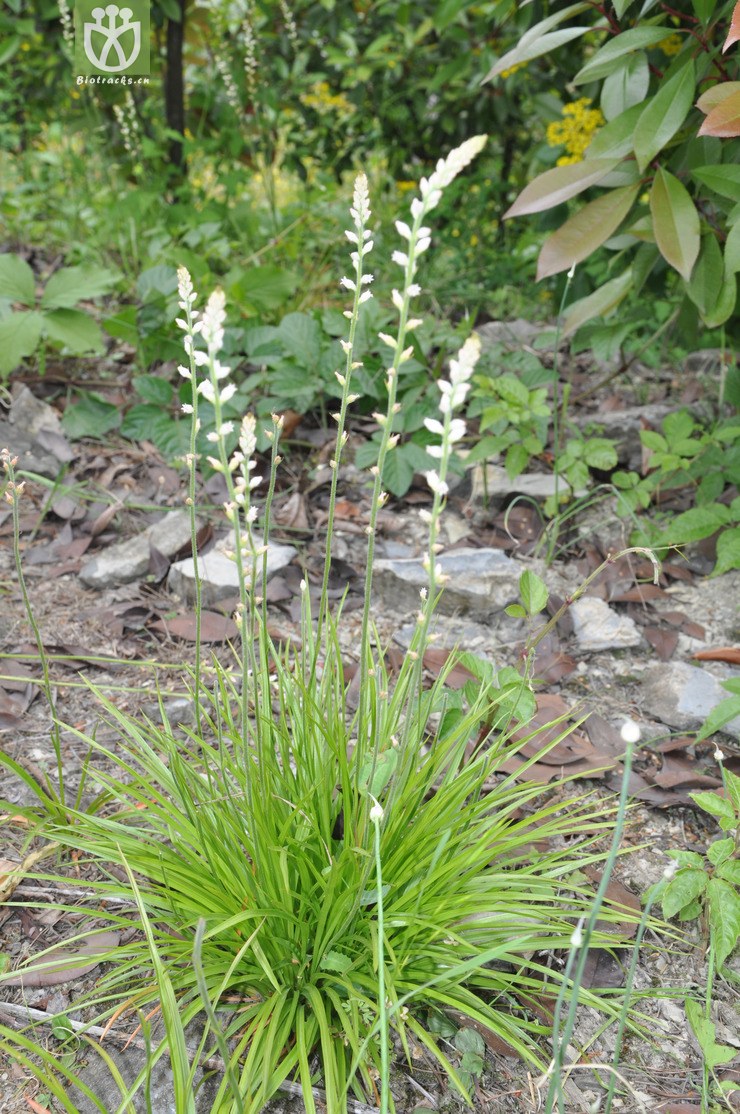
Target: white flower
(214, 317)
(365, 296)
(206, 389)
(414, 290)
(630, 731)
(719, 755)
(438, 486)
(376, 812)
(576, 939)
(403, 229)
(397, 300)
(457, 430)
(348, 283)
(228, 392)
(448, 169)
(361, 200)
(389, 340)
(400, 258)
(434, 426)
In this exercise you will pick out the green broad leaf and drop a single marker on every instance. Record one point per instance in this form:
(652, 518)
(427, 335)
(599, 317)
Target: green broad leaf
(685, 886)
(599, 304)
(732, 250)
(71, 285)
(91, 416)
(678, 426)
(600, 453)
(74, 330)
(122, 325)
(732, 781)
(19, 338)
(153, 389)
(653, 440)
(614, 140)
(17, 281)
(697, 523)
(690, 912)
(585, 231)
(730, 870)
(720, 850)
(512, 390)
(704, 9)
(399, 469)
(704, 1030)
(716, 806)
(675, 222)
(612, 54)
(533, 592)
(725, 304)
(375, 781)
(516, 460)
(516, 611)
(469, 1040)
(448, 11)
(621, 6)
(725, 711)
(664, 114)
(724, 918)
(723, 178)
(708, 275)
(263, 288)
(558, 185)
(626, 87)
(526, 52)
(11, 47)
(724, 120)
(301, 335)
(149, 422)
(156, 283)
(335, 961)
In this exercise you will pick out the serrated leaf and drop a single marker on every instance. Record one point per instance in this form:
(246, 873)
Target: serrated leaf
(728, 554)
(675, 222)
(730, 870)
(600, 453)
(91, 416)
(558, 185)
(153, 389)
(585, 231)
(470, 1040)
(686, 886)
(716, 806)
(533, 592)
(335, 961)
(733, 35)
(17, 281)
(74, 330)
(664, 114)
(720, 850)
(724, 120)
(723, 178)
(69, 286)
(724, 917)
(19, 337)
(599, 304)
(704, 1031)
(399, 469)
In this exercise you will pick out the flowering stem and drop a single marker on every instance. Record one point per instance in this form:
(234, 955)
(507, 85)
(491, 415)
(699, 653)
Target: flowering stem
(376, 815)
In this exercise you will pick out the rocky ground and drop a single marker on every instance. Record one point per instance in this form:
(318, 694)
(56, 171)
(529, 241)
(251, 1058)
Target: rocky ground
(105, 552)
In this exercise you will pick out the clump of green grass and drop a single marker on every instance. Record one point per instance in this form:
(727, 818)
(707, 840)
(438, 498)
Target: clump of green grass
(314, 883)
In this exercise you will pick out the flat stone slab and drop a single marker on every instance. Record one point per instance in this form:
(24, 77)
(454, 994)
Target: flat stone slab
(682, 695)
(512, 334)
(492, 482)
(597, 627)
(482, 582)
(129, 560)
(218, 573)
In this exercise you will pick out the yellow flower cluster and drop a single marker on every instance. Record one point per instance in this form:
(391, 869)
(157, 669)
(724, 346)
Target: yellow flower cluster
(323, 100)
(513, 69)
(575, 131)
(671, 45)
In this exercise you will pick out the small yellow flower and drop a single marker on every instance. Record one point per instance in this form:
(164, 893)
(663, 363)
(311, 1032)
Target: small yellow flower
(671, 45)
(405, 187)
(473, 241)
(25, 46)
(575, 131)
(513, 69)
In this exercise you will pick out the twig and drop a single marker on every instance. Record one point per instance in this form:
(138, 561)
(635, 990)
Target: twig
(14, 1012)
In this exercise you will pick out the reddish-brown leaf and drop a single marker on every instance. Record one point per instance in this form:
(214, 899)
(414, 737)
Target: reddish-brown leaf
(213, 627)
(730, 654)
(733, 35)
(664, 642)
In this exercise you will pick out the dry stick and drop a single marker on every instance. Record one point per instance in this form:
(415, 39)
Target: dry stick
(14, 1012)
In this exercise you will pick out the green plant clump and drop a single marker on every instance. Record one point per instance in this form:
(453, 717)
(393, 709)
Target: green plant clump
(321, 886)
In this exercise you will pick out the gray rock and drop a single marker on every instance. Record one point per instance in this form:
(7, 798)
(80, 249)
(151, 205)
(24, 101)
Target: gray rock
(32, 457)
(597, 627)
(450, 633)
(218, 573)
(482, 581)
(490, 481)
(31, 414)
(512, 334)
(682, 696)
(122, 563)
